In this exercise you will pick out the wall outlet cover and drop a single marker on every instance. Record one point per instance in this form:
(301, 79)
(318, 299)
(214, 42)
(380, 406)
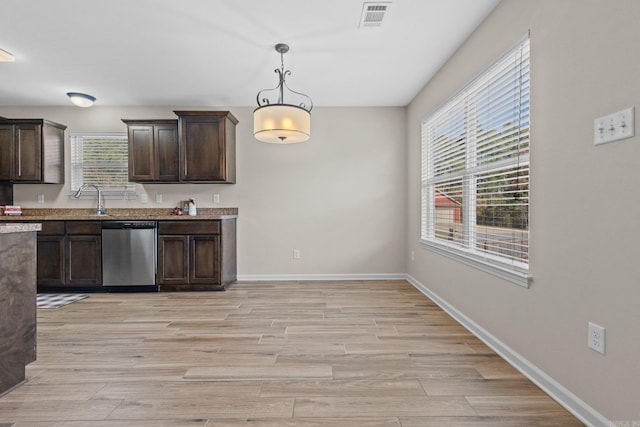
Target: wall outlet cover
(596, 338)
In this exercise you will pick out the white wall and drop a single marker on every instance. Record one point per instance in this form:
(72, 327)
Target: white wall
(584, 261)
(339, 197)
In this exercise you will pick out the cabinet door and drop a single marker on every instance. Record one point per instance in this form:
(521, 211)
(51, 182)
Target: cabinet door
(141, 155)
(204, 267)
(50, 261)
(201, 149)
(28, 152)
(52, 153)
(6, 152)
(153, 152)
(173, 264)
(83, 260)
(166, 152)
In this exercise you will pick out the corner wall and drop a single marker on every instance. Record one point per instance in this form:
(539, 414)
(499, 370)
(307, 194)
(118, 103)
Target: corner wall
(339, 197)
(585, 201)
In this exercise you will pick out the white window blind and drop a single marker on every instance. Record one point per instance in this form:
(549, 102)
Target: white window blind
(102, 160)
(475, 169)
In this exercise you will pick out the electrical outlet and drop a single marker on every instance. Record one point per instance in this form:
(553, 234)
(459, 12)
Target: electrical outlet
(614, 127)
(596, 338)
(216, 198)
(143, 198)
(413, 256)
(158, 198)
(296, 254)
(40, 198)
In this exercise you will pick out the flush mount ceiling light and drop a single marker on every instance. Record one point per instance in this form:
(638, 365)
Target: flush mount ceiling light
(81, 99)
(277, 121)
(6, 56)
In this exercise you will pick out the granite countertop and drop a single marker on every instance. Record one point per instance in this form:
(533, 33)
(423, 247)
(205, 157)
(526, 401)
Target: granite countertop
(116, 214)
(19, 228)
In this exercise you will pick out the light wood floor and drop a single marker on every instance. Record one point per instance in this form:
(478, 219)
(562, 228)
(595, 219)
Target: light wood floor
(308, 354)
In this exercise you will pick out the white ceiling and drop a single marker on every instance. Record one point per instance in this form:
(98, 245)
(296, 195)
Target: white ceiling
(220, 52)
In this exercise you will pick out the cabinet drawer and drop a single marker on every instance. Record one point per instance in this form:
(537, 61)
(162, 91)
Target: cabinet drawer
(52, 228)
(84, 227)
(189, 227)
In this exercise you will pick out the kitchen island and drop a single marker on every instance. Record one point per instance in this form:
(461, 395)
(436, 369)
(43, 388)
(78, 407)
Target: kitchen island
(17, 302)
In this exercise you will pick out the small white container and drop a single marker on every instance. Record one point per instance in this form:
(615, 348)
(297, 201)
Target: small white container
(192, 207)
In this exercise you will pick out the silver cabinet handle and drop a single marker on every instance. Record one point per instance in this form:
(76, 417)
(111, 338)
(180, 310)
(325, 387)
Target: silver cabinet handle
(19, 158)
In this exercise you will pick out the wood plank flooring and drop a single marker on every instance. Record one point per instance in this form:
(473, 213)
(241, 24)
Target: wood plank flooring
(267, 354)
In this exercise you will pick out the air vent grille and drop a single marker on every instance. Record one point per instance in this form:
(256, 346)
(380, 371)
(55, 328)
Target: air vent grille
(373, 14)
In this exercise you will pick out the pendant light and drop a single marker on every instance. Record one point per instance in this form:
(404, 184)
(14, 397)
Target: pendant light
(277, 121)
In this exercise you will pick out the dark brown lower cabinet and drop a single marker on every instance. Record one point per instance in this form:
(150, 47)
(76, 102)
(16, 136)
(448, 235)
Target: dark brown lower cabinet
(196, 255)
(202, 251)
(173, 260)
(83, 261)
(51, 261)
(69, 255)
(50, 255)
(193, 254)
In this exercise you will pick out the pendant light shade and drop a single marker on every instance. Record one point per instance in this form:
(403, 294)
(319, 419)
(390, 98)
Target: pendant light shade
(281, 124)
(276, 121)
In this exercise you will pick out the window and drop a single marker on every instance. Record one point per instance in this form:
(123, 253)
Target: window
(102, 160)
(475, 170)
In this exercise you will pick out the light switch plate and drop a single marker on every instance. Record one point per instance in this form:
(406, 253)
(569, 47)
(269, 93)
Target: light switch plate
(614, 127)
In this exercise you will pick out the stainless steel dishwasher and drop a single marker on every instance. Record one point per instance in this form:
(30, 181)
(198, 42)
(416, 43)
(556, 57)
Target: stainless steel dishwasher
(129, 255)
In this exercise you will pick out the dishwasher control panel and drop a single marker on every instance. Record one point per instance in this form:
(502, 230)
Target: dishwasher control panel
(119, 225)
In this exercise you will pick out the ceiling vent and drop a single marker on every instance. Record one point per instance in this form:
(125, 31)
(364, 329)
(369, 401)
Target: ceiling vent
(373, 14)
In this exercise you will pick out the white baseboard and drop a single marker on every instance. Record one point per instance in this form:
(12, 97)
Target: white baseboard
(557, 391)
(320, 277)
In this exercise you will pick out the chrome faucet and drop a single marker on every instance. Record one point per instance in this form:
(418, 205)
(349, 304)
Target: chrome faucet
(100, 208)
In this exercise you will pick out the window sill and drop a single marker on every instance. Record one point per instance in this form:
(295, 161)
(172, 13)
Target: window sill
(511, 273)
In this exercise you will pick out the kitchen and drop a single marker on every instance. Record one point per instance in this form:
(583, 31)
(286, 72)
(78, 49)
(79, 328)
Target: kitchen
(120, 249)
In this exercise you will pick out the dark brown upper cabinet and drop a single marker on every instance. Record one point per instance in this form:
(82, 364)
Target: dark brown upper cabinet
(207, 146)
(153, 150)
(31, 151)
